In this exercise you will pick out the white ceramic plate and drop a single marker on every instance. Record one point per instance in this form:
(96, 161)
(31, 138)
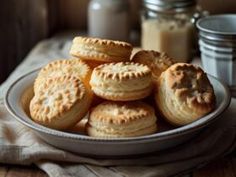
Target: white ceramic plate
(90, 146)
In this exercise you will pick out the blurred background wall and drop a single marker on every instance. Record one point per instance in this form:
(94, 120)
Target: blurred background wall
(23, 23)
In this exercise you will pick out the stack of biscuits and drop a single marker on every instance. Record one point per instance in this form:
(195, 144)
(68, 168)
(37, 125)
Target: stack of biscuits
(103, 81)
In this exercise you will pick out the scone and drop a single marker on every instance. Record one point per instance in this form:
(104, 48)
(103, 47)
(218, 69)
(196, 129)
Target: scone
(157, 62)
(184, 94)
(79, 128)
(70, 67)
(121, 119)
(100, 50)
(93, 64)
(60, 103)
(124, 81)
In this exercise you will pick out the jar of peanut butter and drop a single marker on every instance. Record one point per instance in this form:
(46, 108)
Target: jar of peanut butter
(169, 26)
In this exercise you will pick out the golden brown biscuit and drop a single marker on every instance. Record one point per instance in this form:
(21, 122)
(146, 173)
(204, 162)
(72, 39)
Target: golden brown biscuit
(121, 119)
(157, 62)
(60, 103)
(100, 50)
(184, 94)
(70, 67)
(93, 64)
(124, 81)
(79, 128)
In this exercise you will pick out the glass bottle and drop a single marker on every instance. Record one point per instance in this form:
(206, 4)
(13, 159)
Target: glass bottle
(169, 26)
(109, 19)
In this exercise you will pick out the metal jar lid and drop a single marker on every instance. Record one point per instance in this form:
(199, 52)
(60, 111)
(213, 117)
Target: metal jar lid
(169, 5)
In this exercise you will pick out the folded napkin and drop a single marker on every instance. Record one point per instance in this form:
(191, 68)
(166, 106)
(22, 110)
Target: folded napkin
(19, 145)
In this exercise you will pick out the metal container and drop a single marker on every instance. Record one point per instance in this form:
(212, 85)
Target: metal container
(169, 5)
(217, 40)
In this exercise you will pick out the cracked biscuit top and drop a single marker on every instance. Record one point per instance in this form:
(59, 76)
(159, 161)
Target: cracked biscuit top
(184, 94)
(190, 84)
(156, 61)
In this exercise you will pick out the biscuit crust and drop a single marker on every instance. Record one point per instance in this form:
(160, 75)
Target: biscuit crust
(157, 62)
(69, 67)
(124, 81)
(60, 103)
(184, 94)
(121, 119)
(102, 50)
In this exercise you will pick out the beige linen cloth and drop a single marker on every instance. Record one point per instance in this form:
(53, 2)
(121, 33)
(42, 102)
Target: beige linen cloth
(19, 145)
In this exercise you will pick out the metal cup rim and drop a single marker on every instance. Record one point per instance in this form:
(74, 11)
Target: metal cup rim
(216, 17)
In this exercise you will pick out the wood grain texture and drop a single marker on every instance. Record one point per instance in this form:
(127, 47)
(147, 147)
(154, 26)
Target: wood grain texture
(221, 168)
(22, 24)
(3, 171)
(73, 13)
(218, 6)
(21, 171)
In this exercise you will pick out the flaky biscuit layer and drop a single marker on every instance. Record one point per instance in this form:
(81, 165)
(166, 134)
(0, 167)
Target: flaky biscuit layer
(122, 81)
(69, 67)
(121, 119)
(157, 62)
(122, 95)
(120, 134)
(60, 103)
(184, 94)
(100, 49)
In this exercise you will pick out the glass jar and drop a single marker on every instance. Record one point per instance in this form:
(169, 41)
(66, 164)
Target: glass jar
(109, 19)
(169, 26)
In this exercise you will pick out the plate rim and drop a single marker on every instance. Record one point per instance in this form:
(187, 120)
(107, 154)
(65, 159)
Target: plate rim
(159, 135)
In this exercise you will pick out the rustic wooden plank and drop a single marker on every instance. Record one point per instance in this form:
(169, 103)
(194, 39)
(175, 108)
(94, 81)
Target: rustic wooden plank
(3, 171)
(218, 6)
(22, 24)
(72, 14)
(220, 168)
(233, 161)
(23, 171)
